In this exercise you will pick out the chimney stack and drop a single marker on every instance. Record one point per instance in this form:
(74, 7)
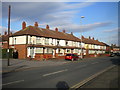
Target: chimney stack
(23, 25)
(5, 33)
(47, 26)
(10, 33)
(71, 33)
(63, 31)
(82, 37)
(56, 29)
(89, 37)
(36, 24)
(93, 38)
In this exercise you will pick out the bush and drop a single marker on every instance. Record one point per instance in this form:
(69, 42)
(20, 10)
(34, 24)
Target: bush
(107, 52)
(5, 54)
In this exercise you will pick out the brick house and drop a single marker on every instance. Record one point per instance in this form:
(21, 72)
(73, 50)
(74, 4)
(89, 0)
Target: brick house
(4, 39)
(94, 47)
(39, 43)
(115, 48)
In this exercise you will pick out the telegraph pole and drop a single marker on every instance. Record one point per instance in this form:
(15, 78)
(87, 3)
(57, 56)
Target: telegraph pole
(8, 51)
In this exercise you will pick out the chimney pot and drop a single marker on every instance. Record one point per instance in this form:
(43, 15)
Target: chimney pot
(36, 24)
(5, 33)
(63, 31)
(23, 25)
(47, 26)
(56, 29)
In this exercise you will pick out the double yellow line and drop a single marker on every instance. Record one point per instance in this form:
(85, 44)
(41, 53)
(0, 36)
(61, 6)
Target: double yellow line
(89, 78)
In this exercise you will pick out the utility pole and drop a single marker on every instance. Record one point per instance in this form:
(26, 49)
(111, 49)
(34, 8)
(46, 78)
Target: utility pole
(8, 51)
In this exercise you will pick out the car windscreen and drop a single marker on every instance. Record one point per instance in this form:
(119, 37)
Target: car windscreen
(69, 55)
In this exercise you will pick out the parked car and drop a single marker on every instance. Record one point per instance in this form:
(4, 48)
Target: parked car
(71, 57)
(112, 54)
(118, 54)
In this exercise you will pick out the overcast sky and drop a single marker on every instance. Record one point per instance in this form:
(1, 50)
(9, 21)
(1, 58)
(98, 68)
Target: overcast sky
(100, 22)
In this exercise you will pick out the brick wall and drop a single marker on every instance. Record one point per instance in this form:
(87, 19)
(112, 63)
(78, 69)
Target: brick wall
(22, 52)
(41, 56)
(5, 45)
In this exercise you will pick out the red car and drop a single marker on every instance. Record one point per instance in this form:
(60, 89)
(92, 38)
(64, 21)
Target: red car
(71, 57)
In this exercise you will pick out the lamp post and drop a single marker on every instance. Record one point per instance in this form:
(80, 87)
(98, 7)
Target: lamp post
(81, 37)
(8, 52)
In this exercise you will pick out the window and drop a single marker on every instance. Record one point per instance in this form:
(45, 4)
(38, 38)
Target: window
(80, 44)
(52, 42)
(46, 41)
(15, 40)
(48, 50)
(39, 50)
(74, 44)
(30, 40)
(38, 40)
(68, 51)
(61, 51)
(66, 43)
(58, 41)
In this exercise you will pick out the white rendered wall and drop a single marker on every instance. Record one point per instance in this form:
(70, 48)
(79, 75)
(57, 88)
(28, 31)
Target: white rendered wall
(62, 43)
(17, 40)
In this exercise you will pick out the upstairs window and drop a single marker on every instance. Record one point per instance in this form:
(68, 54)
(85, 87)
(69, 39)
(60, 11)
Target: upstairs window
(38, 40)
(66, 43)
(58, 42)
(15, 40)
(46, 41)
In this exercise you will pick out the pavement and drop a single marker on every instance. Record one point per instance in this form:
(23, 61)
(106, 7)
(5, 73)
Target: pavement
(18, 64)
(22, 64)
(108, 79)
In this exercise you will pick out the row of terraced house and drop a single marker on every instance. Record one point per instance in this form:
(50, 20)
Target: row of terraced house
(39, 43)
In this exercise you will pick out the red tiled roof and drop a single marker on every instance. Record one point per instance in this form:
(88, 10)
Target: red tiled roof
(36, 31)
(32, 30)
(92, 41)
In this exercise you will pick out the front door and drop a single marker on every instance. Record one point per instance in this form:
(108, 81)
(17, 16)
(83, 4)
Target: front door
(32, 52)
(53, 53)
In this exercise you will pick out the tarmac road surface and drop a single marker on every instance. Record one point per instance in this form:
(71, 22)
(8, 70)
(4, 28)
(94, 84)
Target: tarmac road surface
(57, 76)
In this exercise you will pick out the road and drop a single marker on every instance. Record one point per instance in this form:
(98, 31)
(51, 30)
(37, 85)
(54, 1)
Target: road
(66, 75)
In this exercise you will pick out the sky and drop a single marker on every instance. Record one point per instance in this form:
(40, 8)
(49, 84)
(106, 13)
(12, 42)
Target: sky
(100, 18)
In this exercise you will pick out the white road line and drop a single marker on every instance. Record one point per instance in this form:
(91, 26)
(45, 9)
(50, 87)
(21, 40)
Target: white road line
(55, 72)
(12, 82)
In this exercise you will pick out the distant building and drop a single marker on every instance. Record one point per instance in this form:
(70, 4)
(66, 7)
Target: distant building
(115, 48)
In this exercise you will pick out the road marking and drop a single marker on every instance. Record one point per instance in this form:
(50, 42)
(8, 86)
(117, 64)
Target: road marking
(12, 82)
(55, 72)
(90, 78)
(94, 62)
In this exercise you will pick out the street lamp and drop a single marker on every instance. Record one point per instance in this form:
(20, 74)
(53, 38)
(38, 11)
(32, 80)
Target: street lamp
(81, 37)
(8, 52)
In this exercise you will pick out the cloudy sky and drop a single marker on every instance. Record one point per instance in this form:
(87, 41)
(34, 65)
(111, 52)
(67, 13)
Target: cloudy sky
(100, 22)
